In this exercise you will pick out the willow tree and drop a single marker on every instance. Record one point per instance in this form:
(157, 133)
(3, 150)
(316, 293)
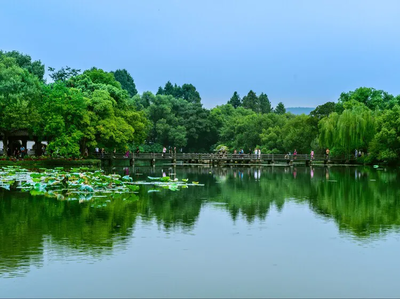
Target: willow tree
(353, 129)
(327, 130)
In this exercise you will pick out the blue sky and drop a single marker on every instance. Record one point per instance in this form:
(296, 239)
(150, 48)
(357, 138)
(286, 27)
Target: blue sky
(303, 53)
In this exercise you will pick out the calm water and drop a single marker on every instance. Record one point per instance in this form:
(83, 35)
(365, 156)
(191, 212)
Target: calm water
(251, 232)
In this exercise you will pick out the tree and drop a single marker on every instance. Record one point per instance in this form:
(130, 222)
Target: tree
(19, 95)
(167, 90)
(190, 94)
(327, 130)
(126, 80)
(272, 135)
(25, 61)
(280, 108)
(160, 91)
(63, 74)
(323, 110)
(353, 129)
(385, 145)
(320, 112)
(250, 101)
(370, 97)
(101, 77)
(264, 104)
(187, 92)
(65, 119)
(298, 133)
(235, 100)
(114, 121)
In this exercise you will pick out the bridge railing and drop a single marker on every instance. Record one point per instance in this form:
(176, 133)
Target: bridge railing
(217, 156)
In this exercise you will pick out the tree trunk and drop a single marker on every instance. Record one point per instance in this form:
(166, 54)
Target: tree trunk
(83, 147)
(5, 144)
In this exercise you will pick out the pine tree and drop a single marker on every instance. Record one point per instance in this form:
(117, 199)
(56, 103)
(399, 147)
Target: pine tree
(235, 100)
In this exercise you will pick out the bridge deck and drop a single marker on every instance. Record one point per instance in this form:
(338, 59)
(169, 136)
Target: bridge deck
(208, 158)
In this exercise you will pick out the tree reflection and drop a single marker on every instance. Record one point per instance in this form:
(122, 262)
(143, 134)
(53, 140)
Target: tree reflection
(363, 202)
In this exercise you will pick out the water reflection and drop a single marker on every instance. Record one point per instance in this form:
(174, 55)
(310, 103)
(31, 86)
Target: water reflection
(363, 202)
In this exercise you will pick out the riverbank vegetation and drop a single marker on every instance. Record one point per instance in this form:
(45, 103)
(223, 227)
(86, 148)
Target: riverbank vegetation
(84, 110)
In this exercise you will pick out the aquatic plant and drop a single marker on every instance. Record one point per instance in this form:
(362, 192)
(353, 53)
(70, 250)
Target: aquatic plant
(80, 183)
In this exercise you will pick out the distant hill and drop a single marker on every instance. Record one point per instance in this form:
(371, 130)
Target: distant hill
(299, 110)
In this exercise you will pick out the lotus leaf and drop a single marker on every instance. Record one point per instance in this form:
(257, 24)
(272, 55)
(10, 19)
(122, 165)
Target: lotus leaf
(127, 178)
(133, 187)
(86, 188)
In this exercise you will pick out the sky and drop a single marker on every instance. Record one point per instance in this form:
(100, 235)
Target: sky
(301, 53)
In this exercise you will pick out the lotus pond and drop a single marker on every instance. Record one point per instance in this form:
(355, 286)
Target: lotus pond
(199, 232)
(81, 183)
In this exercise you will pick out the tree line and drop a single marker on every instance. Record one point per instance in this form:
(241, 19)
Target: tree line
(82, 110)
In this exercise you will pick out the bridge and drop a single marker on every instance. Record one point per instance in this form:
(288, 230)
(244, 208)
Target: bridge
(223, 159)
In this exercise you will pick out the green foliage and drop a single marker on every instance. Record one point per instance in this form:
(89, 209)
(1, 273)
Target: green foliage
(187, 92)
(235, 100)
(250, 101)
(298, 133)
(323, 110)
(102, 109)
(64, 119)
(353, 129)
(386, 143)
(63, 74)
(101, 77)
(19, 97)
(35, 68)
(126, 80)
(151, 148)
(259, 104)
(264, 104)
(176, 122)
(280, 108)
(370, 97)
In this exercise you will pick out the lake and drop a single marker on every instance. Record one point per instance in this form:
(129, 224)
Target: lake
(248, 232)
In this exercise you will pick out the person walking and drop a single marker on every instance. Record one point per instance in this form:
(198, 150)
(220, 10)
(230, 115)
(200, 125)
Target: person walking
(312, 154)
(22, 149)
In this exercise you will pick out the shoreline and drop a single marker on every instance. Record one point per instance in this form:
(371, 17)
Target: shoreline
(51, 162)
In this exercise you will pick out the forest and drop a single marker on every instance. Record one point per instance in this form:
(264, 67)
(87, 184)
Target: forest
(79, 111)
